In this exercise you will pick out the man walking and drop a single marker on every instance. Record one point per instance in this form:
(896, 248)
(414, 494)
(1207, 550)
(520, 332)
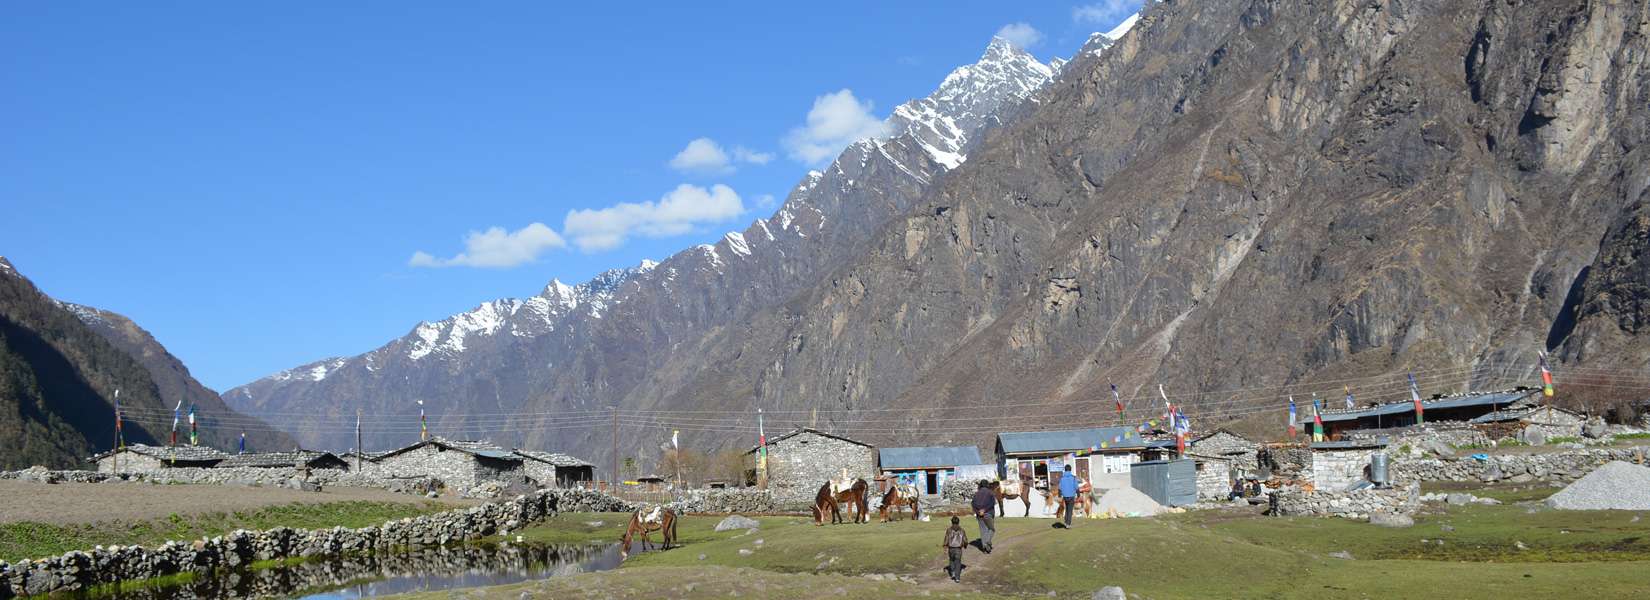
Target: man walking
(985, 512)
(1068, 493)
(955, 539)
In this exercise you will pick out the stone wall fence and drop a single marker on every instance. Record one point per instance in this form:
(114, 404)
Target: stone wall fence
(1557, 466)
(80, 570)
(1357, 504)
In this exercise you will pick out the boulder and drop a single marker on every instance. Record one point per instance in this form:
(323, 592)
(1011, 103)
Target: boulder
(1110, 592)
(733, 522)
(1391, 520)
(1595, 428)
(1533, 437)
(1438, 447)
(1458, 499)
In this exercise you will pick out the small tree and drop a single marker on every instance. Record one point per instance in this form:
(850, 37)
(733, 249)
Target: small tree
(730, 466)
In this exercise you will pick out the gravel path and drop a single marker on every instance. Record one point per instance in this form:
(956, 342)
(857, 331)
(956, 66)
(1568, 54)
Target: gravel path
(68, 503)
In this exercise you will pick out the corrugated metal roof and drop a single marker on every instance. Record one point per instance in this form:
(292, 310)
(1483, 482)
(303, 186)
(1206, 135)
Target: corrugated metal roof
(929, 456)
(1022, 442)
(473, 447)
(1406, 407)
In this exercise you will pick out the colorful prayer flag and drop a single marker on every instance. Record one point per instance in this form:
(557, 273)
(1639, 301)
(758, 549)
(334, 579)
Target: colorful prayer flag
(1349, 403)
(177, 414)
(1291, 417)
(423, 426)
(1118, 400)
(194, 432)
(243, 443)
(1415, 394)
(1317, 420)
(1546, 376)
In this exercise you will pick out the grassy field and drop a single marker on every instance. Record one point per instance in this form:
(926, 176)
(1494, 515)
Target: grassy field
(1457, 552)
(20, 540)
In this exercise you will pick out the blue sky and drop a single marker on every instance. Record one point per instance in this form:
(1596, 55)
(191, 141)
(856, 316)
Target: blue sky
(263, 185)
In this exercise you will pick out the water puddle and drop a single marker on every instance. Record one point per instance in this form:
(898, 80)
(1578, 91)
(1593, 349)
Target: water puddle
(431, 569)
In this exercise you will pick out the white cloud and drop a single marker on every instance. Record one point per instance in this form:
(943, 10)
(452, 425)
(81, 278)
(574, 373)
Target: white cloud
(836, 120)
(765, 201)
(1020, 34)
(743, 154)
(496, 248)
(704, 155)
(1105, 13)
(678, 212)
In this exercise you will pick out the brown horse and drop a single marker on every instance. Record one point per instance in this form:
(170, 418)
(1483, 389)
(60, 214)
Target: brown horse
(659, 519)
(1014, 489)
(898, 497)
(856, 495)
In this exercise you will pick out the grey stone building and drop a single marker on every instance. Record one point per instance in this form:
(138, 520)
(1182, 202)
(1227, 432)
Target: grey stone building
(1528, 422)
(554, 469)
(1339, 465)
(804, 459)
(458, 464)
(310, 459)
(143, 458)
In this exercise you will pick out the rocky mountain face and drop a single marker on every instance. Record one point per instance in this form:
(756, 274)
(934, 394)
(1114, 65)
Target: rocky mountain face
(1238, 196)
(1262, 195)
(60, 365)
(575, 349)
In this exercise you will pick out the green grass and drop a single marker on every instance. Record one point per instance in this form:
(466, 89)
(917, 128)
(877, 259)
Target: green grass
(1486, 552)
(1564, 439)
(1632, 436)
(22, 540)
(575, 528)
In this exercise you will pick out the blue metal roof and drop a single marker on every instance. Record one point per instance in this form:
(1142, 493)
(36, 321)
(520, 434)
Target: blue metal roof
(1070, 440)
(1407, 407)
(929, 456)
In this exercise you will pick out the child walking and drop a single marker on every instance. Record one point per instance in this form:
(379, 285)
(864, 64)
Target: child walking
(955, 540)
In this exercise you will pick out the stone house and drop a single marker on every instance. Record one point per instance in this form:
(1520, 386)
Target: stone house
(926, 467)
(458, 464)
(143, 458)
(554, 469)
(801, 461)
(1337, 466)
(1222, 442)
(1527, 423)
(1339, 424)
(309, 459)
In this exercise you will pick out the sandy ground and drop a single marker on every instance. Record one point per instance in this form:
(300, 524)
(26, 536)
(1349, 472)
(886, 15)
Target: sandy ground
(68, 503)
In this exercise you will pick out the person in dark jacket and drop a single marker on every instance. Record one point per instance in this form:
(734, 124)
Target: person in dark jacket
(955, 539)
(1068, 492)
(985, 513)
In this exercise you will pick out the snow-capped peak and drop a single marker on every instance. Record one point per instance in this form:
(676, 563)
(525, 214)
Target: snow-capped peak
(969, 99)
(1117, 32)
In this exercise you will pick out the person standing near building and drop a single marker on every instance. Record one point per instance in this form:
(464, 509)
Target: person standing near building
(1068, 493)
(985, 513)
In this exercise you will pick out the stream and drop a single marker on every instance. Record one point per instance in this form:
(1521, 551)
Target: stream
(423, 570)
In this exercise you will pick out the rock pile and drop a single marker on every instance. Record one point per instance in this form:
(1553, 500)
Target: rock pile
(1127, 502)
(1617, 485)
(79, 570)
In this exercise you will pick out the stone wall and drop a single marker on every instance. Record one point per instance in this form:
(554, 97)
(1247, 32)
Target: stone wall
(1214, 477)
(1348, 505)
(1557, 466)
(1334, 470)
(540, 472)
(105, 565)
(244, 476)
(130, 462)
(735, 500)
(799, 464)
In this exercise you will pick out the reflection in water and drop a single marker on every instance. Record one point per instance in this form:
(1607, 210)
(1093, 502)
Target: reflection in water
(413, 571)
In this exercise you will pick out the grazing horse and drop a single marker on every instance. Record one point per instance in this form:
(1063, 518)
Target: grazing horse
(659, 519)
(1013, 488)
(899, 496)
(833, 494)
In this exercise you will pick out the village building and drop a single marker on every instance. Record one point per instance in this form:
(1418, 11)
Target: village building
(1222, 457)
(1338, 423)
(554, 469)
(1342, 465)
(801, 461)
(926, 467)
(143, 458)
(299, 459)
(1093, 451)
(1526, 423)
(456, 463)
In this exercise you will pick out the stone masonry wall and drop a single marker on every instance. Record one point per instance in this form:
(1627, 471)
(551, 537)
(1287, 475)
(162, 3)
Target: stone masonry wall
(1336, 469)
(799, 464)
(130, 462)
(1349, 505)
(79, 570)
(455, 468)
(1558, 466)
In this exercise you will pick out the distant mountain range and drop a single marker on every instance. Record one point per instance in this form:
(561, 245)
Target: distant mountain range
(1235, 200)
(60, 367)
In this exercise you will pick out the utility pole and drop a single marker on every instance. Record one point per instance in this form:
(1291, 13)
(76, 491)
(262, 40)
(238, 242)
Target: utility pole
(615, 476)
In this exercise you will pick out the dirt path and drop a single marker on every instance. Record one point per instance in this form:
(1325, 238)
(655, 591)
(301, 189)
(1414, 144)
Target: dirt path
(70, 503)
(977, 565)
